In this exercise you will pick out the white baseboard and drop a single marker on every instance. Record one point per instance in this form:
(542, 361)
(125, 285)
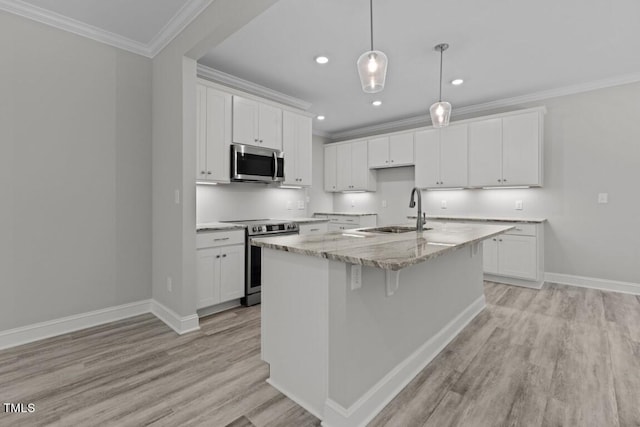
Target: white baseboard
(181, 325)
(374, 400)
(593, 283)
(219, 308)
(513, 281)
(65, 325)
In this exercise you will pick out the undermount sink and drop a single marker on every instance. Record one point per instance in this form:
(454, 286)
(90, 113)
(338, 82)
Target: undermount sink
(393, 229)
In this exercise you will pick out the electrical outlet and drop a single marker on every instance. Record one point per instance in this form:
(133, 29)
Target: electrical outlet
(353, 203)
(289, 205)
(518, 205)
(603, 198)
(300, 204)
(384, 203)
(169, 284)
(443, 204)
(308, 199)
(176, 197)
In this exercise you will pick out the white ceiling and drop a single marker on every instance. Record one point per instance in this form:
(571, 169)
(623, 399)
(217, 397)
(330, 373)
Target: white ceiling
(501, 48)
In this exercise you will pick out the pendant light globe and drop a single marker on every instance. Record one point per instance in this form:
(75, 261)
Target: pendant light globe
(440, 111)
(372, 65)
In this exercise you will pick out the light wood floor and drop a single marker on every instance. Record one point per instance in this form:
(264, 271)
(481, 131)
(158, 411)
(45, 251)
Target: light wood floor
(559, 356)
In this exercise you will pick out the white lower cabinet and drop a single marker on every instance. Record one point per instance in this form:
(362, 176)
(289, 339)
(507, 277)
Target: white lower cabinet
(512, 256)
(220, 267)
(313, 228)
(339, 222)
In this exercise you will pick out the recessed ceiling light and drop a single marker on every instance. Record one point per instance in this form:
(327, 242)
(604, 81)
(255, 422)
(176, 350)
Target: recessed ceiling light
(457, 82)
(376, 103)
(321, 59)
(320, 117)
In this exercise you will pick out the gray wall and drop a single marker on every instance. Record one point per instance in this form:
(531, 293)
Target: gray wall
(75, 174)
(591, 146)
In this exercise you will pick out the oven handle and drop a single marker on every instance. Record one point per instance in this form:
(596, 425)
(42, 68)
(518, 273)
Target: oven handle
(275, 165)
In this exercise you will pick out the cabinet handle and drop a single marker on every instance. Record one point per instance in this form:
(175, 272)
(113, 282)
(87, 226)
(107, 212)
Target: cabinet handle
(201, 172)
(504, 180)
(499, 180)
(260, 141)
(499, 240)
(391, 161)
(220, 239)
(495, 240)
(208, 172)
(224, 255)
(314, 229)
(255, 140)
(217, 256)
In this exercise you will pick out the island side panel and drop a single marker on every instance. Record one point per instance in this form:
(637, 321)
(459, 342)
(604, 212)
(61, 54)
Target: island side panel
(371, 334)
(295, 326)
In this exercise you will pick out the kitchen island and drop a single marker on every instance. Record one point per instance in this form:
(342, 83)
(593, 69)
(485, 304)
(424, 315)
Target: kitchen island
(349, 318)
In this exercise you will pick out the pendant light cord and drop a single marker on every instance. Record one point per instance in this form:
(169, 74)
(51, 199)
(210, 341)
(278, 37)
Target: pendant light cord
(371, 20)
(440, 96)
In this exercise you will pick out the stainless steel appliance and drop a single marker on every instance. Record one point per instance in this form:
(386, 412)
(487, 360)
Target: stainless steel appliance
(256, 164)
(253, 257)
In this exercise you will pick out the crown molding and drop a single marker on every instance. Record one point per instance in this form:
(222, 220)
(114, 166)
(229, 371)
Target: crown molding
(178, 22)
(425, 120)
(255, 89)
(321, 133)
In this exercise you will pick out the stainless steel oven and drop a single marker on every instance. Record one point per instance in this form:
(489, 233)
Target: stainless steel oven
(256, 164)
(253, 257)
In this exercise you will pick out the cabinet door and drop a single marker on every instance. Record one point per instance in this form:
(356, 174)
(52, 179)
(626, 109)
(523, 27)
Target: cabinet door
(245, 121)
(330, 168)
(290, 147)
(218, 135)
(379, 152)
(453, 156)
(270, 127)
(343, 172)
(305, 151)
(401, 149)
(517, 256)
(231, 272)
(490, 255)
(485, 153)
(359, 165)
(201, 136)
(521, 150)
(208, 277)
(427, 173)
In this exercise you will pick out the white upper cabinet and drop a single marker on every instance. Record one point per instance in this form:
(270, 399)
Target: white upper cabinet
(391, 151)
(330, 168)
(521, 150)
(506, 151)
(347, 168)
(441, 157)
(255, 123)
(213, 134)
(296, 143)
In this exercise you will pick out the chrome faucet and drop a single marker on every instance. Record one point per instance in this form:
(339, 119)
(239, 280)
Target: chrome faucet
(412, 204)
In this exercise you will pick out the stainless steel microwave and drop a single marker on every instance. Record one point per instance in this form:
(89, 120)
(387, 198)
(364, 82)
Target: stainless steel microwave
(256, 164)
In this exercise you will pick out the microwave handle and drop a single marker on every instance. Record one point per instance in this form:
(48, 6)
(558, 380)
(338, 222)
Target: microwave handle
(275, 166)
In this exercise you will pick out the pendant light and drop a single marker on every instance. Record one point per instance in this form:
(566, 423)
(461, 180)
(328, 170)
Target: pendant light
(372, 65)
(440, 111)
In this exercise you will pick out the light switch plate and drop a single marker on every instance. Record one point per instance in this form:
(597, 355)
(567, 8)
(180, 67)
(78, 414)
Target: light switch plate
(289, 205)
(384, 203)
(518, 205)
(443, 204)
(300, 204)
(603, 198)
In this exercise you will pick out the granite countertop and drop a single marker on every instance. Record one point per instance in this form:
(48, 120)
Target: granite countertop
(218, 226)
(306, 220)
(482, 218)
(346, 213)
(381, 250)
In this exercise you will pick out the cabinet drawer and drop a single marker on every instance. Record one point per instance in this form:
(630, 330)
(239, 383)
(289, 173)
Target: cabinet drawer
(213, 239)
(523, 230)
(343, 219)
(313, 228)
